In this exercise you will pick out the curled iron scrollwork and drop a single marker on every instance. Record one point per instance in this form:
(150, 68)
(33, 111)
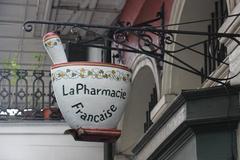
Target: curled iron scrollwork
(28, 26)
(146, 42)
(169, 38)
(120, 36)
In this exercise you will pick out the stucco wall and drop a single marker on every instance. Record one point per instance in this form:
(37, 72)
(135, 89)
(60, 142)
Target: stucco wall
(38, 141)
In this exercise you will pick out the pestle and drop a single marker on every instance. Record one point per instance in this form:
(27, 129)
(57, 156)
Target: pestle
(54, 47)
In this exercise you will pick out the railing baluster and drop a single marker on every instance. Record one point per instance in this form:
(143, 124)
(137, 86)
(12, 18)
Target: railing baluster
(213, 42)
(217, 27)
(205, 59)
(21, 94)
(222, 11)
(5, 93)
(209, 51)
(38, 91)
(151, 105)
(51, 96)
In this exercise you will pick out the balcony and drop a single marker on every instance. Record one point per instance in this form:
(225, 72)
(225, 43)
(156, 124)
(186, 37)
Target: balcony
(27, 95)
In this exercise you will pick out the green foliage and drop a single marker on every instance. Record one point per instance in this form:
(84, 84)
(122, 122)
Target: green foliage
(39, 58)
(13, 66)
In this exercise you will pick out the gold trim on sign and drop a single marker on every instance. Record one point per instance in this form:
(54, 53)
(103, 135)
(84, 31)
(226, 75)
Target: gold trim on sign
(90, 64)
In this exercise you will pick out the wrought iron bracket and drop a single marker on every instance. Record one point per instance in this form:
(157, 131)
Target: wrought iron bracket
(144, 34)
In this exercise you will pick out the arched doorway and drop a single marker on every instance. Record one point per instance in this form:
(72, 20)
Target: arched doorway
(184, 11)
(132, 123)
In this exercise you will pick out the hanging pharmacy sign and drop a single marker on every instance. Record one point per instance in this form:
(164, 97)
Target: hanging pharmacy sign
(90, 94)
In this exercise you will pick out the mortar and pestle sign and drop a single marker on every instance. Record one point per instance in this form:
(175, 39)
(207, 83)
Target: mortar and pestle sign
(91, 95)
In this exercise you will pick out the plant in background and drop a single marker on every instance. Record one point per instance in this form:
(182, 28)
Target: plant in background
(13, 66)
(40, 58)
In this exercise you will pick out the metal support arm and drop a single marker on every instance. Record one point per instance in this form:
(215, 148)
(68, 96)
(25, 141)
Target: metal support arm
(146, 44)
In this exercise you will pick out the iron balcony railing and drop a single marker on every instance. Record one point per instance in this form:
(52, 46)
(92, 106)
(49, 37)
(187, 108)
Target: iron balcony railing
(24, 94)
(214, 51)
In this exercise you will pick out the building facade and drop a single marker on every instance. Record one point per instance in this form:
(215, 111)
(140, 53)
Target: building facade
(174, 114)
